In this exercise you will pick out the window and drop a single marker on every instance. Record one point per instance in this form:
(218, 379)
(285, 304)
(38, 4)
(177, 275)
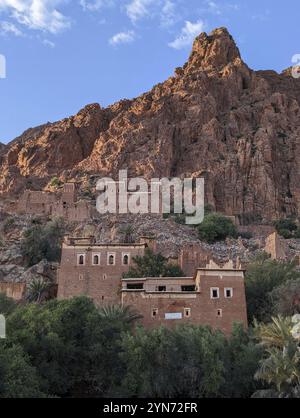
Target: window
(161, 289)
(135, 286)
(214, 293)
(154, 313)
(111, 259)
(81, 259)
(96, 259)
(125, 258)
(188, 288)
(104, 276)
(81, 277)
(228, 293)
(187, 312)
(219, 313)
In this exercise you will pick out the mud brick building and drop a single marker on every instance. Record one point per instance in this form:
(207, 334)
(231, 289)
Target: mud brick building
(96, 270)
(212, 295)
(64, 204)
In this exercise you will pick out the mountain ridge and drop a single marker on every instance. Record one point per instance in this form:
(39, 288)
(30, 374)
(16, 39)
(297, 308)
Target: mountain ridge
(215, 117)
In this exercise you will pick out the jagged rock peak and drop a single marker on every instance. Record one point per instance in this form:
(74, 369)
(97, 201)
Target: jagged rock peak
(214, 51)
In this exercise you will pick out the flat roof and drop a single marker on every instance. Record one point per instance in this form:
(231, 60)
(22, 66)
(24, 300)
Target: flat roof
(220, 269)
(157, 278)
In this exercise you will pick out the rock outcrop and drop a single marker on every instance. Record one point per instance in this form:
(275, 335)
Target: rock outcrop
(215, 118)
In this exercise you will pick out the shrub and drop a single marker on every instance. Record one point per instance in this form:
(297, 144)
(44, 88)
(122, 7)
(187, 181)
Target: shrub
(55, 182)
(262, 277)
(42, 242)
(287, 228)
(152, 265)
(216, 227)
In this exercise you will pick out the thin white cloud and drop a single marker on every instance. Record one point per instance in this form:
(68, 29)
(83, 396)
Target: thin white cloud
(95, 5)
(187, 34)
(37, 14)
(48, 43)
(122, 38)
(138, 9)
(168, 13)
(7, 28)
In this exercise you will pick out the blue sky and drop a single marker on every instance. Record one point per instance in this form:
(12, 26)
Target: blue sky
(63, 54)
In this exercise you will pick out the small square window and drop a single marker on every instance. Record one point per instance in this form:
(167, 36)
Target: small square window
(214, 293)
(81, 259)
(111, 259)
(219, 313)
(154, 313)
(187, 312)
(162, 289)
(228, 293)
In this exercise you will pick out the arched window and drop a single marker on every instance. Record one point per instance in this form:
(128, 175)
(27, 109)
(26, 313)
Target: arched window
(81, 259)
(126, 260)
(96, 260)
(111, 259)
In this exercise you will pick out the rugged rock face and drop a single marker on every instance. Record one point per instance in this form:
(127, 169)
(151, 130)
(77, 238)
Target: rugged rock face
(215, 118)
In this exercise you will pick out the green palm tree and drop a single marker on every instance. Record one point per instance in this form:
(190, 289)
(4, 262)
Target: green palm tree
(281, 366)
(121, 313)
(37, 290)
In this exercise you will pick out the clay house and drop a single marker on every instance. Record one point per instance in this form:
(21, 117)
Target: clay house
(214, 296)
(64, 204)
(96, 270)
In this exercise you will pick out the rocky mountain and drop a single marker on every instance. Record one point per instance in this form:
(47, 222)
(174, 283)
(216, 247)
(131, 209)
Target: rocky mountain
(214, 117)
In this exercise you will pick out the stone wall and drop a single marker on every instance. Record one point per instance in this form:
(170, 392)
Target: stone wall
(15, 291)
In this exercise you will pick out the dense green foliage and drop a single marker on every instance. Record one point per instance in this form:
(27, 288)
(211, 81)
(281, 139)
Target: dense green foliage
(7, 305)
(280, 366)
(216, 227)
(262, 278)
(42, 242)
(152, 265)
(73, 349)
(285, 299)
(287, 228)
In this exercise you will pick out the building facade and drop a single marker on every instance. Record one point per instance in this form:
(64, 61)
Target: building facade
(212, 296)
(95, 270)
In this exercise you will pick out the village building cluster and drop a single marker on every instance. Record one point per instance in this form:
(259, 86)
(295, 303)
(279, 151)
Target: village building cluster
(211, 295)
(208, 294)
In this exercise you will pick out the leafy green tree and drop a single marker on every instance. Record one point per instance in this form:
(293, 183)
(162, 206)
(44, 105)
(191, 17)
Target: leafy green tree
(262, 277)
(152, 265)
(18, 379)
(286, 227)
(7, 305)
(285, 299)
(241, 359)
(216, 227)
(183, 362)
(43, 242)
(73, 348)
